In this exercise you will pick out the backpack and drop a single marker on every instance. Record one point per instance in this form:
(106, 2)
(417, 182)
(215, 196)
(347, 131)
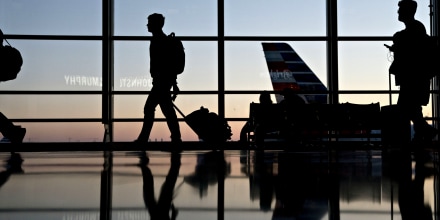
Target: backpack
(177, 54)
(10, 62)
(432, 57)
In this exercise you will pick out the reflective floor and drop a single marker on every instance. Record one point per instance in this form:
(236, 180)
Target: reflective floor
(364, 184)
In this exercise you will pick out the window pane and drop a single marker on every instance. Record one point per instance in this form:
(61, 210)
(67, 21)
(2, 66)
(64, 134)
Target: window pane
(58, 65)
(374, 17)
(129, 131)
(237, 106)
(51, 17)
(51, 106)
(364, 66)
(275, 18)
(185, 18)
(132, 66)
(382, 99)
(246, 67)
(132, 106)
(63, 131)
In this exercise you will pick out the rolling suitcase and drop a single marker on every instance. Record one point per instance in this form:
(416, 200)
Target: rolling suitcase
(396, 130)
(208, 126)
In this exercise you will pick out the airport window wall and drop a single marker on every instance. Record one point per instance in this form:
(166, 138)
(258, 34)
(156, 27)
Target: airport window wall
(86, 62)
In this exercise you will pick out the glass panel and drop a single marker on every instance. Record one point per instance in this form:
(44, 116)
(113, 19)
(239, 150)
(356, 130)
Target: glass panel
(237, 106)
(188, 18)
(58, 65)
(364, 66)
(246, 67)
(51, 106)
(132, 71)
(382, 99)
(129, 131)
(375, 17)
(62, 131)
(275, 18)
(51, 17)
(131, 106)
(236, 128)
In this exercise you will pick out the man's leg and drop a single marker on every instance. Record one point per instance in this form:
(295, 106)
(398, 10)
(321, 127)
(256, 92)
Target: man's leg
(172, 122)
(148, 190)
(149, 109)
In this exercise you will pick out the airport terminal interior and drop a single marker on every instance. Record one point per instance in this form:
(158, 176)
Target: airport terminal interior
(346, 153)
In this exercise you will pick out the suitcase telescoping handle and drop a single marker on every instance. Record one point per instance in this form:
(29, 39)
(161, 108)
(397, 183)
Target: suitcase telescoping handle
(180, 112)
(389, 88)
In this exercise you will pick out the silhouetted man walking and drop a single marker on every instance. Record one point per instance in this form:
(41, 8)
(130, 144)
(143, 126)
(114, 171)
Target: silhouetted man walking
(408, 47)
(163, 80)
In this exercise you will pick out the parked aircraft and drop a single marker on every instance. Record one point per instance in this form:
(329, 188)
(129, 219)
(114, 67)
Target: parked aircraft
(288, 70)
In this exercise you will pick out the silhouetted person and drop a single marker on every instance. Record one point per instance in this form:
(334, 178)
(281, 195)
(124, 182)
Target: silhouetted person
(160, 209)
(291, 99)
(14, 133)
(163, 80)
(293, 107)
(264, 99)
(408, 47)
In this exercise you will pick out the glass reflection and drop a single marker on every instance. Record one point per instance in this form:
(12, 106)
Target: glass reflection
(208, 185)
(210, 168)
(160, 208)
(410, 176)
(289, 185)
(13, 166)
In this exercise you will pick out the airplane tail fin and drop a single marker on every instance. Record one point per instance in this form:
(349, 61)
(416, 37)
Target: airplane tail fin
(288, 70)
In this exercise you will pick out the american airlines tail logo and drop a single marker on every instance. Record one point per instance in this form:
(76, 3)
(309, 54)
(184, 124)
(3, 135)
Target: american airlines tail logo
(288, 70)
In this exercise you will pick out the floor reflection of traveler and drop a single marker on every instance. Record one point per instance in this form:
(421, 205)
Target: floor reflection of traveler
(13, 165)
(160, 209)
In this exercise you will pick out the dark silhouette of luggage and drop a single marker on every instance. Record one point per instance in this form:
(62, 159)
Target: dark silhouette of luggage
(396, 130)
(10, 61)
(208, 126)
(13, 133)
